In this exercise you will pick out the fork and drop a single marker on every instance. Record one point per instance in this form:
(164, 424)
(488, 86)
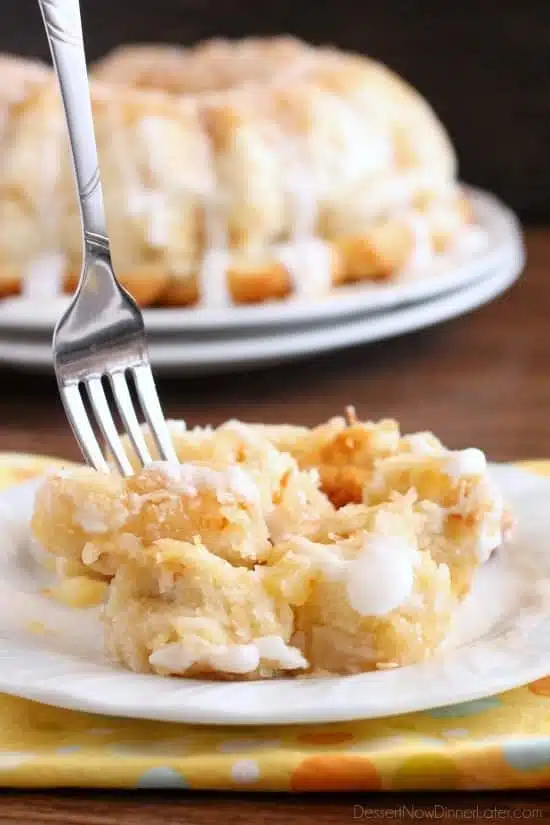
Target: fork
(100, 339)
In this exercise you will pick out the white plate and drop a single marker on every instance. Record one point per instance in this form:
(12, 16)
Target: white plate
(501, 640)
(503, 239)
(191, 355)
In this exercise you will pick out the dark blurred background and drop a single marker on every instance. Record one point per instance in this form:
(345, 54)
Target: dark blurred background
(483, 64)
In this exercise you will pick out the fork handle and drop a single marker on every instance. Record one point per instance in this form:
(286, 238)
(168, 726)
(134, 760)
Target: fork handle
(63, 26)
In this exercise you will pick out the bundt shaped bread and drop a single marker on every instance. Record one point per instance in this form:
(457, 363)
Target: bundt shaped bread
(233, 172)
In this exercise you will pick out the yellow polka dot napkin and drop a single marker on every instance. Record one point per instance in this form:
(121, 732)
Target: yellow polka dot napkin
(499, 742)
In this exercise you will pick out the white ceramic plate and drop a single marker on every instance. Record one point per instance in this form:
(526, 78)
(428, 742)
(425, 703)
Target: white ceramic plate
(503, 239)
(501, 640)
(191, 355)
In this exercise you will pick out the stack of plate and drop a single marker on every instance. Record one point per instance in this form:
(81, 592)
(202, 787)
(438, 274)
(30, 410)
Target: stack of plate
(214, 340)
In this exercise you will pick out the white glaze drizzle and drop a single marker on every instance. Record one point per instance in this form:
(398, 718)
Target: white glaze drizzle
(125, 163)
(422, 443)
(152, 203)
(306, 257)
(43, 277)
(213, 271)
(470, 239)
(468, 462)
(381, 578)
(178, 657)
(142, 201)
(423, 252)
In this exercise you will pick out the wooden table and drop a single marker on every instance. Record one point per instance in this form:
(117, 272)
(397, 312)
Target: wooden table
(481, 380)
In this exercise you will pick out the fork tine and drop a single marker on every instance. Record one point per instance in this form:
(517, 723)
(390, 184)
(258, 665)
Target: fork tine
(150, 404)
(78, 419)
(129, 418)
(104, 417)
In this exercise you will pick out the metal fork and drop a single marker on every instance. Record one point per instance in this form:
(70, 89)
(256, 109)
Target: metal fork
(101, 336)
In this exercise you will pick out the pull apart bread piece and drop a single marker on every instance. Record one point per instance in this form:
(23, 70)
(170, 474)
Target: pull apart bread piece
(20, 82)
(239, 494)
(290, 494)
(374, 600)
(20, 76)
(94, 518)
(370, 597)
(368, 462)
(235, 564)
(467, 519)
(177, 608)
(343, 450)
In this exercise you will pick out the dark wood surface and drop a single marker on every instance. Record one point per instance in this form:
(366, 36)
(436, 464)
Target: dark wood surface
(481, 380)
(485, 66)
(326, 809)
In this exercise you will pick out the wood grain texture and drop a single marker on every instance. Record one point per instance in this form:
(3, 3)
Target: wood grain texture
(482, 379)
(484, 66)
(327, 809)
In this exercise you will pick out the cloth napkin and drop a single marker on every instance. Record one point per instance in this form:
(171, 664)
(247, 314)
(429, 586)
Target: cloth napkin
(499, 742)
